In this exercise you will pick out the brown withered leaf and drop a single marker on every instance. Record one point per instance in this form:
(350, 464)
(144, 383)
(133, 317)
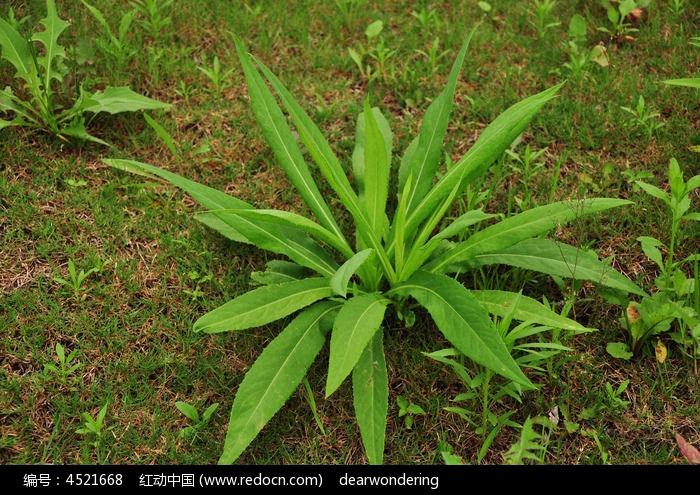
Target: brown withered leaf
(661, 351)
(635, 15)
(632, 313)
(689, 452)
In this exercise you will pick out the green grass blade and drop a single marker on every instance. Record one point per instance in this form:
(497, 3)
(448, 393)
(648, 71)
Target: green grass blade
(278, 135)
(263, 305)
(522, 226)
(162, 134)
(358, 320)
(370, 385)
(561, 260)
(463, 321)
(274, 377)
(523, 308)
(492, 143)
(425, 156)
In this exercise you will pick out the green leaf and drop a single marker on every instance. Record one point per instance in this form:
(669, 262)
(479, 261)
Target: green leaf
(655, 192)
(619, 350)
(523, 308)
(121, 99)
(263, 305)
(278, 135)
(374, 29)
(341, 278)
(689, 82)
(370, 385)
(422, 160)
(463, 321)
(274, 376)
(330, 167)
(358, 320)
(188, 410)
(522, 226)
(650, 246)
(295, 221)
(492, 143)
(459, 224)
(278, 272)
(561, 260)
(375, 168)
(162, 133)
(17, 51)
(53, 27)
(209, 198)
(275, 237)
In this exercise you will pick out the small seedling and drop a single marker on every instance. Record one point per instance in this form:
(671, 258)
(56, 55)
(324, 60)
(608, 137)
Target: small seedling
(408, 411)
(65, 366)
(542, 17)
(216, 75)
(77, 278)
(198, 422)
(643, 117)
(154, 16)
(94, 428)
(611, 401)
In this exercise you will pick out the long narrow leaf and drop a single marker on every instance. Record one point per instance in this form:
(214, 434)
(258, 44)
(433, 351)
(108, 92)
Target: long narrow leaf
(374, 173)
(17, 51)
(293, 220)
(263, 305)
(424, 157)
(280, 138)
(209, 198)
(561, 260)
(121, 99)
(462, 320)
(492, 142)
(520, 227)
(358, 320)
(274, 376)
(370, 384)
(330, 167)
(274, 237)
(523, 308)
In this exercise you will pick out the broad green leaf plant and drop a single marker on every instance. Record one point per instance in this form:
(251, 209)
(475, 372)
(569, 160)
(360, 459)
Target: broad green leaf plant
(40, 63)
(338, 287)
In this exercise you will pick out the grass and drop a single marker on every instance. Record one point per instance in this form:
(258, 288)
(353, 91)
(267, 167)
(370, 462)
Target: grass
(131, 322)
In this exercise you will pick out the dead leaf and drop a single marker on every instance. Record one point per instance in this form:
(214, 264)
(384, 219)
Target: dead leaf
(554, 415)
(632, 313)
(661, 352)
(635, 15)
(689, 452)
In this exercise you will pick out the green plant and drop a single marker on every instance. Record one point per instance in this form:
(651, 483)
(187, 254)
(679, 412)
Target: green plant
(542, 18)
(40, 70)
(609, 402)
(216, 75)
(677, 8)
(77, 278)
(525, 341)
(579, 55)
(93, 428)
(526, 165)
(117, 46)
(529, 446)
(427, 17)
(198, 422)
(155, 18)
(65, 367)
(372, 59)
(434, 55)
(643, 117)
(677, 295)
(690, 82)
(407, 411)
(618, 13)
(405, 262)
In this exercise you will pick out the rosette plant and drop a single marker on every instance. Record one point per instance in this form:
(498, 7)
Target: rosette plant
(337, 288)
